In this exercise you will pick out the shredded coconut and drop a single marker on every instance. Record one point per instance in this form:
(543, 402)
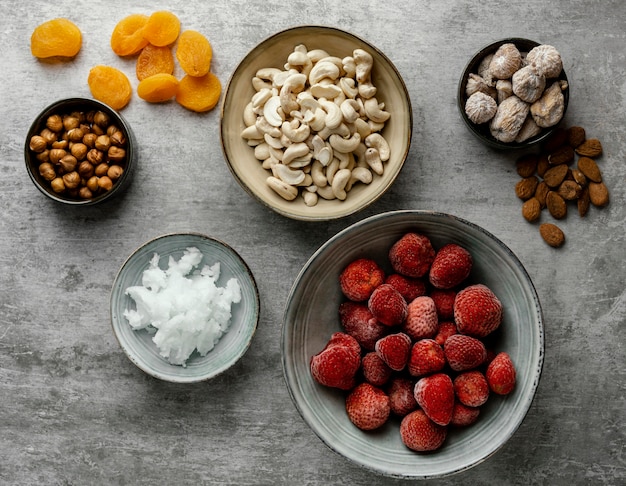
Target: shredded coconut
(183, 306)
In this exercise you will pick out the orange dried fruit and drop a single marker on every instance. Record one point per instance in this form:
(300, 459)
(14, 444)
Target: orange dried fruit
(154, 60)
(199, 93)
(194, 53)
(162, 28)
(127, 37)
(56, 38)
(158, 88)
(109, 85)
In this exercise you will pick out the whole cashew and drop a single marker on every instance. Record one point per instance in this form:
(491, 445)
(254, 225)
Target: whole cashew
(341, 144)
(323, 70)
(364, 62)
(293, 84)
(272, 111)
(290, 176)
(317, 173)
(377, 141)
(375, 111)
(310, 198)
(339, 183)
(284, 190)
(334, 117)
(349, 110)
(372, 157)
(295, 150)
(296, 131)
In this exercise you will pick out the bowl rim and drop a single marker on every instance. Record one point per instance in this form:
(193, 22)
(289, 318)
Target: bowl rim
(478, 130)
(66, 105)
(250, 55)
(539, 352)
(138, 362)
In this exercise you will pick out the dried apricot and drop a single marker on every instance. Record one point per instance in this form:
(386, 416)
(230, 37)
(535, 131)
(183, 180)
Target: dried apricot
(56, 38)
(127, 37)
(162, 28)
(199, 93)
(194, 53)
(158, 88)
(154, 60)
(109, 85)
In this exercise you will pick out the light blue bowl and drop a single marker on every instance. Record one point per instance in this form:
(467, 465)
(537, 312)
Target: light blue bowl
(138, 345)
(311, 316)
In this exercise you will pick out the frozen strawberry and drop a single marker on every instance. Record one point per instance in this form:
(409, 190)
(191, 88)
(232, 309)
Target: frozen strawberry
(359, 279)
(435, 394)
(421, 319)
(477, 311)
(412, 255)
(374, 369)
(409, 288)
(387, 305)
(394, 350)
(444, 303)
(419, 433)
(451, 266)
(462, 415)
(401, 397)
(446, 329)
(357, 321)
(426, 357)
(337, 364)
(464, 352)
(471, 388)
(501, 374)
(368, 407)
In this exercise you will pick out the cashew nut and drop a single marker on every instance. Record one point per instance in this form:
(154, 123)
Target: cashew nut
(325, 90)
(295, 150)
(285, 174)
(294, 84)
(310, 198)
(364, 62)
(295, 130)
(260, 97)
(349, 66)
(372, 157)
(249, 116)
(322, 70)
(349, 110)
(267, 73)
(262, 151)
(317, 173)
(281, 188)
(375, 111)
(377, 141)
(252, 132)
(272, 111)
(326, 193)
(315, 55)
(339, 183)
(345, 145)
(264, 127)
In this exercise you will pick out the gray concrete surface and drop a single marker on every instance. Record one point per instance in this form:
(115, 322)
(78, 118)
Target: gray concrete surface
(74, 410)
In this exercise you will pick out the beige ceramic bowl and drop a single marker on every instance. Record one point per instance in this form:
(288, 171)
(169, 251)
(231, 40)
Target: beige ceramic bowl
(273, 52)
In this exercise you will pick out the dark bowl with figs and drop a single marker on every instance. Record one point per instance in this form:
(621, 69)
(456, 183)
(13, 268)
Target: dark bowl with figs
(527, 87)
(80, 152)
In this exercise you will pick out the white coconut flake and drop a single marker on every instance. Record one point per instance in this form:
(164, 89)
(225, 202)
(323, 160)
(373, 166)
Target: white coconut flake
(182, 306)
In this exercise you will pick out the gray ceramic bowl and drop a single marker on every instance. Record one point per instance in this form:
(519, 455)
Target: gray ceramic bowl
(311, 317)
(481, 132)
(273, 52)
(84, 105)
(138, 345)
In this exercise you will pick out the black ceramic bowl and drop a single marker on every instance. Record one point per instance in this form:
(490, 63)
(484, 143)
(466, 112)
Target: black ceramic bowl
(481, 131)
(81, 105)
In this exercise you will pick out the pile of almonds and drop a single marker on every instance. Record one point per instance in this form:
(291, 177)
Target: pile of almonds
(550, 180)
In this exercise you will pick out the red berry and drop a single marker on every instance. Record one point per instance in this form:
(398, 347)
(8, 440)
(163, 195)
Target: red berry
(359, 279)
(409, 288)
(471, 388)
(421, 319)
(426, 357)
(360, 323)
(477, 311)
(462, 415)
(452, 265)
(444, 302)
(401, 397)
(435, 394)
(375, 371)
(337, 364)
(464, 352)
(412, 255)
(368, 407)
(387, 305)
(501, 374)
(394, 350)
(421, 434)
(446, 329)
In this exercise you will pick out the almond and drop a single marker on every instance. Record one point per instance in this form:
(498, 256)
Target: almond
(531, 209)
(552, 234)
(542, 165)
(576, 136)
(579, 177)
(583, 202)
(541, 193)
(526, 165)
(598, 194)
(554, 176)
(569, 190)
(556, 205)
(590, 148)
(525, 188)
(563, 155)
(590, 169)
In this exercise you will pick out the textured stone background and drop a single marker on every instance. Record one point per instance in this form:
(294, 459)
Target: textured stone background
(74, 410)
